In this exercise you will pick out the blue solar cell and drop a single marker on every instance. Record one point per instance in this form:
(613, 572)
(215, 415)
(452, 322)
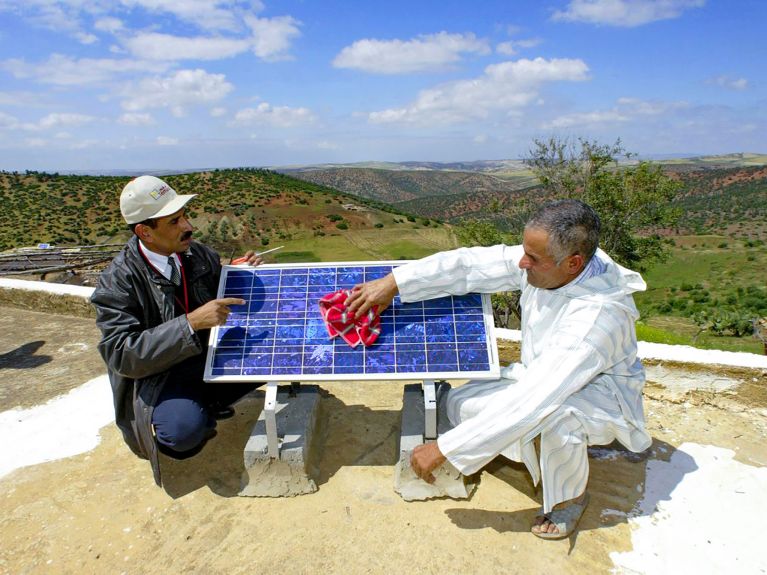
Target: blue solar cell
(279, 334)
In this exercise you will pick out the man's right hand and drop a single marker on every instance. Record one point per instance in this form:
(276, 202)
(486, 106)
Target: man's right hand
(212, 313)
(378, 292)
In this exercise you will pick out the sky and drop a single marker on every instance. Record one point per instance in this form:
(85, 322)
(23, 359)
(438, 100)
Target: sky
(138, 85)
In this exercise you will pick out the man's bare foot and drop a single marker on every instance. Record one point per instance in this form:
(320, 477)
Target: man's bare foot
(543, 525)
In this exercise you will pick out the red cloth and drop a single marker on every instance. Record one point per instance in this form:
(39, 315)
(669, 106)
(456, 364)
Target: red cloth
(339, 321)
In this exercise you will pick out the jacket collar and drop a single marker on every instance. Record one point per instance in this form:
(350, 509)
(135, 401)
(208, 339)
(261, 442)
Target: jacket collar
(194, 265)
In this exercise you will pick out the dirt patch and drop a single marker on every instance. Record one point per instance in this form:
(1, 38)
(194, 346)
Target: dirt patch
(44, 355)
(100, 512)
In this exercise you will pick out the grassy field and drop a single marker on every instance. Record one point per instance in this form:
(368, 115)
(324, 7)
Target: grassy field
(362, 245)
(712, 273)
(709, 269)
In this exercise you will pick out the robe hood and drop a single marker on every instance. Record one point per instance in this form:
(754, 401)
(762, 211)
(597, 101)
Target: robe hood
(605, 282)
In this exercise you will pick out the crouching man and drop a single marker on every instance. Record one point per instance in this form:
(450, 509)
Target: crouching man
(155, 305)
(579, 381)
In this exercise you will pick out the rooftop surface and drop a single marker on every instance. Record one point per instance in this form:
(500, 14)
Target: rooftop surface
(77, 500)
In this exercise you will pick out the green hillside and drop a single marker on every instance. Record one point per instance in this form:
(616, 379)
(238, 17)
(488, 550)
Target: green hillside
(729, 201)
(234, 209)
(719, 273)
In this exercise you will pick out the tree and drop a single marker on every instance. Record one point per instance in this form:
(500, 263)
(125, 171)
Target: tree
(506, 310)
(632, 200)
(482, 233)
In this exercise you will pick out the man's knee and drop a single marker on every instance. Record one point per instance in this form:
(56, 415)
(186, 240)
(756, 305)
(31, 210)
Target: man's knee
(181, 426)
(471, 398)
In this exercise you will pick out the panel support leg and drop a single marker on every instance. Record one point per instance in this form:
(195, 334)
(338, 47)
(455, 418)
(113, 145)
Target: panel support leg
(429, 410)
(270, 415)
(421, 423)
(278, 458)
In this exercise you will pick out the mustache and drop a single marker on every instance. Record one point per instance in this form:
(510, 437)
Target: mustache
(186, 236)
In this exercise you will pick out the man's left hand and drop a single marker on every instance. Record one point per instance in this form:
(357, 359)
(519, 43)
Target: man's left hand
(250, 258)
(425, 459)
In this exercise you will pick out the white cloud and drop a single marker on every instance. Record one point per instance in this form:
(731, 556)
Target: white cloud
(625, 13)
(506, 48)
(424, 53)
(279, 116)
(86, 38)
(587, 119)
(55, 120)
(217, 112)
(60, 16)
(109, 24)
(528, 43)
(270, 40)
(503, 87)
(62, 70)
(154, 46)
(8, 122)
(166, 141)
(511, 47)
(206, 14)
(737, 84)
(136, 119)
(48, 123)
(177, 92)
(625, 110)
(271, 37)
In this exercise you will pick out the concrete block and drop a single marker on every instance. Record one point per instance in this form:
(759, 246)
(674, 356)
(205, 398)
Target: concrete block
(449, 481)
(294, 471)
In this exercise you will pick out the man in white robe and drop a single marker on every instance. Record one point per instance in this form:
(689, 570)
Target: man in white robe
(579, 381)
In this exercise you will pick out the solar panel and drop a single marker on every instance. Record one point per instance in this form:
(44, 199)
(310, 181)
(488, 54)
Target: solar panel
(279, 334)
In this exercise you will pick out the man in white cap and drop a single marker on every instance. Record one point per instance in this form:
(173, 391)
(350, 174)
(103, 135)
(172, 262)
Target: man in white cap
(154, 305)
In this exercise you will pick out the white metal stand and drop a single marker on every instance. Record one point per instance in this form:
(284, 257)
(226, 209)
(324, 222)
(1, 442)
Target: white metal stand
(429, 410)
(270, 415)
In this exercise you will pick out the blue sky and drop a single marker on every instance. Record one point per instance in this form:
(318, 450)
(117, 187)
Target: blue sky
(91, 85)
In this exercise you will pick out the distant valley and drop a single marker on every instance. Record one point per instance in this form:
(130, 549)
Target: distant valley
(722, 194)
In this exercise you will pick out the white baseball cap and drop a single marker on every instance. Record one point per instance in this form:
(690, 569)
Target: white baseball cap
(147, 197)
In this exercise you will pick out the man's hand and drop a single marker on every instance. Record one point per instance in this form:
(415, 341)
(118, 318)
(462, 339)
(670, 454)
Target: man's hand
(378, 292)
(425, 459)
(212, 313)
(250, 258)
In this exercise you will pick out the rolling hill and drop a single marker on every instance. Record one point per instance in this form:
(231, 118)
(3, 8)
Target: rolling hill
(720, 194)
(234, 209)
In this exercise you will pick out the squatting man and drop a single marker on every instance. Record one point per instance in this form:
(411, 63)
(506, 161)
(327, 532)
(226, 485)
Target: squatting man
(579, 381)
(155, 304)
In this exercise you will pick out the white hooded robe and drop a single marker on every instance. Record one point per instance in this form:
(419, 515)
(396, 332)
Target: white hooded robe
(578, 336)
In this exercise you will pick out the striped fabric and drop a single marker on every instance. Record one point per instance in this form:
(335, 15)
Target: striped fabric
(578, 344)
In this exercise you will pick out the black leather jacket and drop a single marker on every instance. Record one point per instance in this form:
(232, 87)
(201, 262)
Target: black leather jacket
(140, 337)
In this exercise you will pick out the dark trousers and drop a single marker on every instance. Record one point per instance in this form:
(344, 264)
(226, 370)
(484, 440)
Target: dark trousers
(182, 417)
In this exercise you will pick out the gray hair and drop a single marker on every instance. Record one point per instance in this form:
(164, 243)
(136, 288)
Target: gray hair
(573, 228)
